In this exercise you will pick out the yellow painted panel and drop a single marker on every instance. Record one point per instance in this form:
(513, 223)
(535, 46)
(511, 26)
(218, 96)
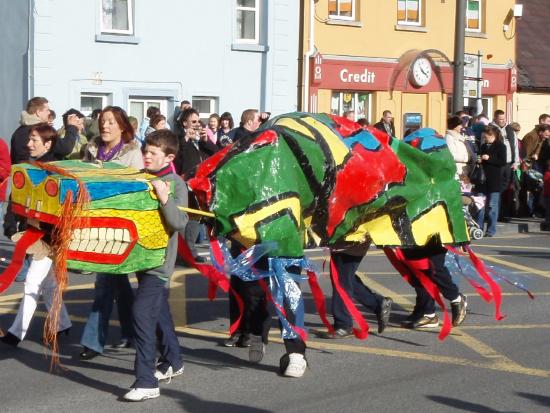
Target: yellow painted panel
(338, 149)
(431, 223)
(380, 231)
(292, 124)
(246, 222)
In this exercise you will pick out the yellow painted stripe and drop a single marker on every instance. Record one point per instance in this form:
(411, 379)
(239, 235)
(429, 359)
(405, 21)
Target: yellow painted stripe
(246, 222)
(514, 265)
(293, 124)
(338, 149)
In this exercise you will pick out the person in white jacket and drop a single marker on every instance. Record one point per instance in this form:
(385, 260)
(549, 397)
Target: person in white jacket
(457, 145)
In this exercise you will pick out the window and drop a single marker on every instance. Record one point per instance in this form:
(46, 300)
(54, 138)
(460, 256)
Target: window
(341, 9)
(91, 101)
(137, 106)
(205, 105)
(247, 29)
(117, 17)
(358, 102)
(409, 12)
(473, 16)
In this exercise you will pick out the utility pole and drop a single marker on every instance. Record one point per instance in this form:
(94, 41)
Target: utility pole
(458, 72)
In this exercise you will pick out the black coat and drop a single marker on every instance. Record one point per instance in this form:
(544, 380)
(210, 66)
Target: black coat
(20, 153)
(189, 155)
(492, 167)
(380, 126)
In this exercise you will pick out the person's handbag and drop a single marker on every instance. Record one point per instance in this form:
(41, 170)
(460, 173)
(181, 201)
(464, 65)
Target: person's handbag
(532, 179)
(477, 175)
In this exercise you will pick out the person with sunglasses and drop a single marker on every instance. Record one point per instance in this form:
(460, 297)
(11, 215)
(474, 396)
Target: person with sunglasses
(194, 147)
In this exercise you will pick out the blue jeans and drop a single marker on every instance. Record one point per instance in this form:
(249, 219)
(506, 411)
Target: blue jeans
(491, 208)
(108, 287)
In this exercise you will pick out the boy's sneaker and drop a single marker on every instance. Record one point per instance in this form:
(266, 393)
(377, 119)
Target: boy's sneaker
(232, 340)
(139, 395)
(424, 322)
(256, 350)
(169, 374)
(458, 310)
(296, 365)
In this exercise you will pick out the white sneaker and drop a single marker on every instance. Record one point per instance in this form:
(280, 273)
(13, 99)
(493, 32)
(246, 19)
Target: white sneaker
(296, 365)
(169, 374)
(139, 395)
(256, 350)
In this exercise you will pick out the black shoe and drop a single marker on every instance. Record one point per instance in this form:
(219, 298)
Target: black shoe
(123, 343)
(10, 339)
(88, 354)
(232, 340)
(64, 332)
(458, 310)
(383, 314)
(423, 322)
(338, 333)
(244, 340)
(200, 260)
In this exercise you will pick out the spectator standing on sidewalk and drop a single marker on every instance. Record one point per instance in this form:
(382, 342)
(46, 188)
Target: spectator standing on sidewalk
(386, 123)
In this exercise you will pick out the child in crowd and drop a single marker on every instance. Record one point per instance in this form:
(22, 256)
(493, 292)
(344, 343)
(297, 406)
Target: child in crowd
(151, 310)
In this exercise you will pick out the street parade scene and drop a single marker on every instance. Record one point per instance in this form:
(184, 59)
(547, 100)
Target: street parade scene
(321, 205)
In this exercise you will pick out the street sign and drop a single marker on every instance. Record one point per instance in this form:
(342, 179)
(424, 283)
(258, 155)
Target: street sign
(472, 75)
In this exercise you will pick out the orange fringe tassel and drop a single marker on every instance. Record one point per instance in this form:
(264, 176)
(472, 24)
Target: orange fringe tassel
(71, 216)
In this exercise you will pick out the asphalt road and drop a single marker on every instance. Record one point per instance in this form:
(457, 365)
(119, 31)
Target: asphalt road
(483, 366)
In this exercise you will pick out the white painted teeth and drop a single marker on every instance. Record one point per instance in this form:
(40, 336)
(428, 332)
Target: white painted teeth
(100, 240)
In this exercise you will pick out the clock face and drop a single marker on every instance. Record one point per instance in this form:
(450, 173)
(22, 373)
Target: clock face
(421, 73)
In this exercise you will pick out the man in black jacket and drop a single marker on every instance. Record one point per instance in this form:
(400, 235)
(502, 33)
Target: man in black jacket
(386, 123)
(194, 147)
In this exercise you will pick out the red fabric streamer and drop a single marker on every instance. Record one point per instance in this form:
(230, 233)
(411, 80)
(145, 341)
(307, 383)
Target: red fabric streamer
(481, 290)
(215, 278)
(415, 268)
(319, 299)
(30, 236)
(495, 288)
(363, 331)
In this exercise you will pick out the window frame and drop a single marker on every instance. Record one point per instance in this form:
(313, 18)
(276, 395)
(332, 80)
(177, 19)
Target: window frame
(105, 100)
(346, 18)
(420, 22)
(147, 102)
(480, 16)
(355, 99)
(130, 11)
(214, 105)
(256, 10)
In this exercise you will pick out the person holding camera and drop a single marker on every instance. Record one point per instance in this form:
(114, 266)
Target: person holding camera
(194, 147)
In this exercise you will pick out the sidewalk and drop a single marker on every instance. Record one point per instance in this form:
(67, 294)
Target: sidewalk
(520, 225)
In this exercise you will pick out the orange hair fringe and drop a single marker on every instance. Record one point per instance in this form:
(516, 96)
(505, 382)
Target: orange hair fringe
(71, 217)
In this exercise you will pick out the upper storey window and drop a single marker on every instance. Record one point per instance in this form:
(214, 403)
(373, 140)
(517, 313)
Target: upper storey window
(341, 9)
(409, 12)
(117, 17)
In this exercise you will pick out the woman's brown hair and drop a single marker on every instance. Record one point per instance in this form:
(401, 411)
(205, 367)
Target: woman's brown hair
(123, 122)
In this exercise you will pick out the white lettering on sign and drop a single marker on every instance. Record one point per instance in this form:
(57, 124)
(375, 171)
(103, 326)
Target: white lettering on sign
(348, 77)
(486, 83)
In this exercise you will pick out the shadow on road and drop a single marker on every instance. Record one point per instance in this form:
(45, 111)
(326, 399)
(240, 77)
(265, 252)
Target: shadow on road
(466, 406)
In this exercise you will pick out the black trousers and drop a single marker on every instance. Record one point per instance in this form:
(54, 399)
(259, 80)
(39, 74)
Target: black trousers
(152, 319)
(347, 266)
(438, 273)
(257, 317)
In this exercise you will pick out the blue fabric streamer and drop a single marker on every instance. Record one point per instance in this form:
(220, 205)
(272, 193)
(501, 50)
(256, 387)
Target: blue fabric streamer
(283, 285)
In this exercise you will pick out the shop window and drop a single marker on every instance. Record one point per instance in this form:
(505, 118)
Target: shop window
(409, 12)
(117, 17)
(138, 105)
(357, 102)
(341, 9)
(473, 16)
(205, 105)
(92, 101)
(248, 20)
(471, 106)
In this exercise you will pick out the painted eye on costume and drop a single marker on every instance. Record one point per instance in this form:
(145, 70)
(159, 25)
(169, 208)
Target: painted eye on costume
(51, 188)
(18, 180)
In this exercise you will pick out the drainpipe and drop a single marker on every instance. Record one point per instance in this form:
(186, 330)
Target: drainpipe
(308, 55)
(30, 52)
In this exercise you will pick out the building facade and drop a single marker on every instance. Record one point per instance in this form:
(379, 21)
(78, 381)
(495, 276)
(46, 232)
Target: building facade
(369, 56)
(222, 55)
(533, 48)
